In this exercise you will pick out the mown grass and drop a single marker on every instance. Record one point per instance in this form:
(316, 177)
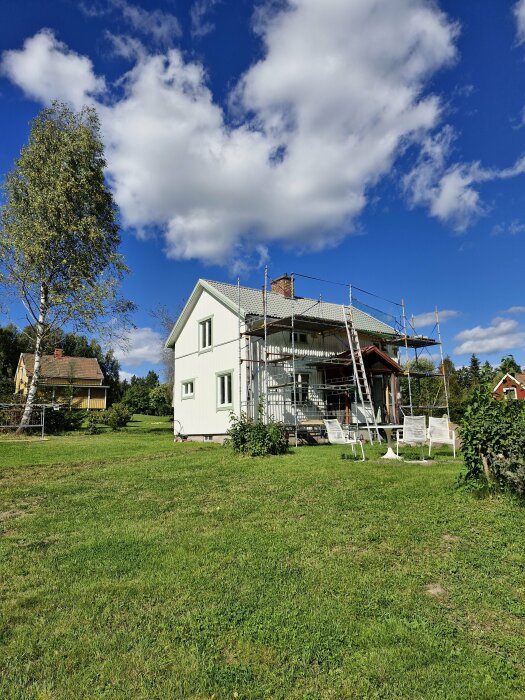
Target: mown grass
(132, 567)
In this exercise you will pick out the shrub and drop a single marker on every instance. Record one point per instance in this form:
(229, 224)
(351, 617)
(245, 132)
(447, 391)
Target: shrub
(160, 401)
(117, 416)
(93, 423)
(63, 420)
(256, 438)
(493, 442)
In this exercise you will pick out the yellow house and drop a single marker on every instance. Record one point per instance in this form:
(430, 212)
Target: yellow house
(75, 381)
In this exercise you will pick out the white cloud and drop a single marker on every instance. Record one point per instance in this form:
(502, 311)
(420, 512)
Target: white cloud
(162, 27)
(513, 229)
(515, 310)
(144, 346)
(502, 335)
(519, 12)
(340, 92)
(46, 69)
(123, 375)
(429, 318)
(200, 22)
(451, 191)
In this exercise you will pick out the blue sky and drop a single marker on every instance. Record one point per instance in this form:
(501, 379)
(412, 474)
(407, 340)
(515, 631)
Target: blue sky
(377, 142)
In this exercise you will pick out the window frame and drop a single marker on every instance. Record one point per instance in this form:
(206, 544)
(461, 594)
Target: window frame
(300, 338)
(218, 378)
(510, 393)
(300, 387)
(200, 325)
(184, 396)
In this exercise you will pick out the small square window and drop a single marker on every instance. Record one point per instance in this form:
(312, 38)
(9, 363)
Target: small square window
(188, 389)
(224, 390)
(205, 334)
(297, 337)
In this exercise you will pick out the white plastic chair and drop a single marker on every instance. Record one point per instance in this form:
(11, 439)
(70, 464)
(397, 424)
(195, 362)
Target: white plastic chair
(439, 432)
(414, 432)
(338, 436)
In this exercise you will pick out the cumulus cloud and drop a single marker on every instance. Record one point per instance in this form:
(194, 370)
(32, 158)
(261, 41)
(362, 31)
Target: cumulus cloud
(144, 345)
(46, 69)
(339, 93)
(451, 192)
(429, 317)
(515, 310)
(502, 334)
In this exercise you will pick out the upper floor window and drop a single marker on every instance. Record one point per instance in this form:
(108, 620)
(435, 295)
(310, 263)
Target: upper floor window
(205, 334)
(510, 393)
(297, 337)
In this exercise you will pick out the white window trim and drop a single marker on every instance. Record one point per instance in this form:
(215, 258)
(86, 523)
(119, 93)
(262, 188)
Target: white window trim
(510, 390)
(226, 406)
(300, 387)
(184, 396)
(208, 348)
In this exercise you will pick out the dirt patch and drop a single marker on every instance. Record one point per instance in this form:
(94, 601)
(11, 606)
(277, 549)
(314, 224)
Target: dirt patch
(450, 539)
(435, 590)
(10, 514)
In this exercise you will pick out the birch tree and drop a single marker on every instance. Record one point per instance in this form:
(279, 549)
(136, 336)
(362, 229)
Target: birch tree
(59, 236)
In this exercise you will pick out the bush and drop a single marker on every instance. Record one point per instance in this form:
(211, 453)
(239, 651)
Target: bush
(93, 423)
(256, 438)
(63, 420)
(493, 442)
(160, 401)
(117, 416)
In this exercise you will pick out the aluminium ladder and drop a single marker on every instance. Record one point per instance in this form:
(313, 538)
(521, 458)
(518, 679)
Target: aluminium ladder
(361, 380)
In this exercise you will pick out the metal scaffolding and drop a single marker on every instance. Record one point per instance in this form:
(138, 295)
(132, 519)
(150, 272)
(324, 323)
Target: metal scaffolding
(301, 365)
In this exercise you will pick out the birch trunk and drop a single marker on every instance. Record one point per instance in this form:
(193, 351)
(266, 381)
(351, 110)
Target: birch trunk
(40, 327)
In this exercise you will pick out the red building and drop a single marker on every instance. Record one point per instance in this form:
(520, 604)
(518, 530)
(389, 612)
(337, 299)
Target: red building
(510, 387)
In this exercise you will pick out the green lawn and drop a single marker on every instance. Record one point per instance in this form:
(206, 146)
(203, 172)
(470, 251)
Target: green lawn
(132, 567)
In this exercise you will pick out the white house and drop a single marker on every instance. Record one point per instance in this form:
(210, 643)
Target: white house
(237, 349)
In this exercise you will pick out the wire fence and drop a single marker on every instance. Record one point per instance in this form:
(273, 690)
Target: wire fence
(11, 418)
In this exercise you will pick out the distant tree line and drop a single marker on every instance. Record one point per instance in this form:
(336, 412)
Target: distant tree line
(427, 390)
(140, 395)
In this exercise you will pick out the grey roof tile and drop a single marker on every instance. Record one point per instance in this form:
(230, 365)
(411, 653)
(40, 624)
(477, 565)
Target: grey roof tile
(281, 307)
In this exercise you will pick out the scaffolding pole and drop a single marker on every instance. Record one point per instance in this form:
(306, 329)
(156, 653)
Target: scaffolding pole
(407, 359)
(293, 364)
(265, 358)
(443, 371)
(239, 342)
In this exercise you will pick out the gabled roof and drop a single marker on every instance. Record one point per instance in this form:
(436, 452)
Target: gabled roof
(517, 379)
(64, 367)
(278, 306)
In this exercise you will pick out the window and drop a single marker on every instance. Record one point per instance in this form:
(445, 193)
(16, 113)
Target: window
(302, 382)
(298, 337)
(205, 336)
(224, 390)
(188, 389)
(510, 393)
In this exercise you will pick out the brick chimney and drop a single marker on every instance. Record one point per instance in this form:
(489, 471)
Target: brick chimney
(283, 285)
(59, 353)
